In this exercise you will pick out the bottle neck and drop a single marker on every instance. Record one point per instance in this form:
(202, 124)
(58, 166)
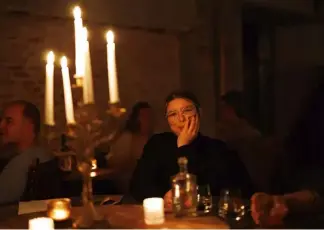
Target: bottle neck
(183, 168)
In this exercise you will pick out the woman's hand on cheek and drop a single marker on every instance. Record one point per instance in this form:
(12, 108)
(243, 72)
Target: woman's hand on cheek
(189, 132)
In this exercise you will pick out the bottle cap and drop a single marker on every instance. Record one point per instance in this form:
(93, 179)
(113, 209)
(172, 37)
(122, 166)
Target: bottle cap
(182, 161)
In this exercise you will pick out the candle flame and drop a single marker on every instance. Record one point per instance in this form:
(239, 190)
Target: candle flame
(77, 12)
(110, 37)
(64, 61)
(50, 57)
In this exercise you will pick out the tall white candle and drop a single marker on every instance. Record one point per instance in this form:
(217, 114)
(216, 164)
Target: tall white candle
(111, 65)
(69, 110)
(88, 97)
(79, 43)
(49, 90)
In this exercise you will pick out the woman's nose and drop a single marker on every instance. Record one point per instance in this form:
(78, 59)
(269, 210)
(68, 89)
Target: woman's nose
(181, 117)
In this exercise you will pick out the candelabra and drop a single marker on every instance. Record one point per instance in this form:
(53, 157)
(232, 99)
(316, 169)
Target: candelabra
(89, 131)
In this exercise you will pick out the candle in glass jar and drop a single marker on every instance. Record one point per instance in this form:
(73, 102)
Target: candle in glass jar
(42, 223)
(111, 65)
(153, 211)
(59, 209)
(69, 109)
(49, 90)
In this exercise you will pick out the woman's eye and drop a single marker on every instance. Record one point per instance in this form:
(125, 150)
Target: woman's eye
(172, 114)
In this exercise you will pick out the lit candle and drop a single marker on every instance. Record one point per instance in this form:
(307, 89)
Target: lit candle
(93, 164)
(59, 209)
(49, 90)
(69, 110)
(42, 223)
(79, 45)
(88, 97)
(153, 211)
(111, 65)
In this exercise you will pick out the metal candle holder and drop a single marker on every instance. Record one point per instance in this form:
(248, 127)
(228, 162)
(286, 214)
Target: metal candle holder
(86, 134)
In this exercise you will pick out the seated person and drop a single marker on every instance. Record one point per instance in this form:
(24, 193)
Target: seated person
(207, 158)
(270, 210)
(299, 178)
(128, 147)
(20, 126)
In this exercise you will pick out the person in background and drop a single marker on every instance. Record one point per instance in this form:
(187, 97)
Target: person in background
(233, 126)
(298, 182)
(128, 147)
(251, 146)
(209, 159)
(20, 127)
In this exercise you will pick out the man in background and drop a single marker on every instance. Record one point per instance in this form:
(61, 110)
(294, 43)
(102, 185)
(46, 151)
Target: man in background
(19, 128)
(242, 137)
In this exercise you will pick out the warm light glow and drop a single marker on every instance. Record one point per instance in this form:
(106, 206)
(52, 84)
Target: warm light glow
(94, 164)
(50, 57)
(85, 33)
(110, 37)
(42, 223)
(64, 61)
(93, 174)
(153, 211)
(77, 12)
(60, 214)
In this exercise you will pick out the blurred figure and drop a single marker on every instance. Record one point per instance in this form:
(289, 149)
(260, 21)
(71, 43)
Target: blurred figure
(128, 147)
(233, 127)
(240, 136)
(20, 127)
(271, 210)
(300, 169)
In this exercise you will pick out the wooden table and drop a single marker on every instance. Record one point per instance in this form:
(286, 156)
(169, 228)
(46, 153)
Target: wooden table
(127, 216)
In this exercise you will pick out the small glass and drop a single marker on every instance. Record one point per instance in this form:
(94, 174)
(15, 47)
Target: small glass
(204, 199)
(59, 209)
(231, 206)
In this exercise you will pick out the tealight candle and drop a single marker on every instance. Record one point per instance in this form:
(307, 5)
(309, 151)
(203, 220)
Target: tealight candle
(59, 209)
(42, 223)
(153, 211)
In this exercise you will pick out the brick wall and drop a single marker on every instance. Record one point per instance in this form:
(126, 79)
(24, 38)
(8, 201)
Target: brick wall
(148, 63)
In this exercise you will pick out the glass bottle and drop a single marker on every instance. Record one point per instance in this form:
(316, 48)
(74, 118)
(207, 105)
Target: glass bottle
(184, 191)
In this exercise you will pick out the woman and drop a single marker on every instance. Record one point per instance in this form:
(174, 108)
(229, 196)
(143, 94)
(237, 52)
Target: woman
(207, 158)
(129, 145)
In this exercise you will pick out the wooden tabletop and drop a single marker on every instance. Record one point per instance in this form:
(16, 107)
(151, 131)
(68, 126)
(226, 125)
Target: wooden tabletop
(127, 216)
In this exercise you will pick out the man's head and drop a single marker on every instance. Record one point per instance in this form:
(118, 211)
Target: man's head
(20, 123)
(231, 106)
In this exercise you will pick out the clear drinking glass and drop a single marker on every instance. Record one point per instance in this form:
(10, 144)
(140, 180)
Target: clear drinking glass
(204, 199)
(231, 205)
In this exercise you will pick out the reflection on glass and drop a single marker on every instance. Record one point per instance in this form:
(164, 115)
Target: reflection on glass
(230, 205)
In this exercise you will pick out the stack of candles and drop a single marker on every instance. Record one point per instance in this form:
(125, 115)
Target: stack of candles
(83, 73)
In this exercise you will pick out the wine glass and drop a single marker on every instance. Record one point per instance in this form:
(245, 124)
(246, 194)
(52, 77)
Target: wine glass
(204, 198)
(231, 205)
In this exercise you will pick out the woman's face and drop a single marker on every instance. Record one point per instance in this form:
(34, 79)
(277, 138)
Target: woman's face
(178, 112)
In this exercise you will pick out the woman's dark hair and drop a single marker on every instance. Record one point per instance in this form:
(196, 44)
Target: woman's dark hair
(133, 124)
(184, 94)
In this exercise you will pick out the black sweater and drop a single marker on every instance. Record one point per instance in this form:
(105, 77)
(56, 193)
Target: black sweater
(208, 159)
